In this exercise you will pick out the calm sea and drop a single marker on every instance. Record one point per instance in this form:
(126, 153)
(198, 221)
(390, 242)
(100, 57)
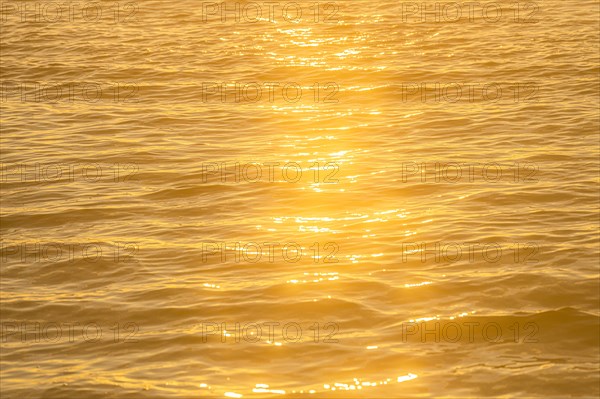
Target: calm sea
(346, 199)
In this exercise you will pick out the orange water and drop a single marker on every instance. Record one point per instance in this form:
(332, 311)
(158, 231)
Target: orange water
(389, 252)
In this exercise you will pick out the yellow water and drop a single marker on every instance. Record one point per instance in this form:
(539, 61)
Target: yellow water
(372, 226)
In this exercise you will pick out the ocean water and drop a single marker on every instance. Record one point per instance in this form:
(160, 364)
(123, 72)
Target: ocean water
(364, 201)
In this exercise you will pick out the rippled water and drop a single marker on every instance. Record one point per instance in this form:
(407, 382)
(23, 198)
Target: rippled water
(405, 277)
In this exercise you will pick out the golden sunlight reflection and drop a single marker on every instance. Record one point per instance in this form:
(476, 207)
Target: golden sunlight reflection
(304, 199)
